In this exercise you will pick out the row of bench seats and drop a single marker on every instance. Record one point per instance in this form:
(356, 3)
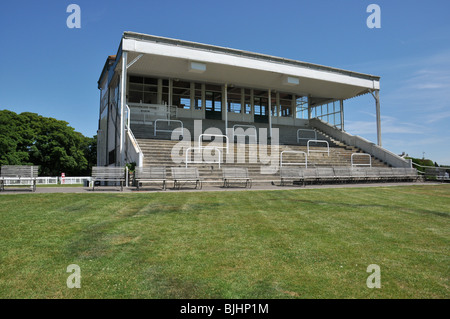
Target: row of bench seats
(346, 174)
(233, 175)
(18, 175)
(157, 174)
(437, 174)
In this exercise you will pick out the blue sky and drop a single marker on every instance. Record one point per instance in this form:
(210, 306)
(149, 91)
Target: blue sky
(52, 70)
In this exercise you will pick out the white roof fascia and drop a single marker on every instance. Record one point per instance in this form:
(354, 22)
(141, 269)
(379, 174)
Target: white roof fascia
(179, 52)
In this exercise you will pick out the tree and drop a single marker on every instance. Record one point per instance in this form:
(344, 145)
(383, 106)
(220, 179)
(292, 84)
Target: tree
(29, 138)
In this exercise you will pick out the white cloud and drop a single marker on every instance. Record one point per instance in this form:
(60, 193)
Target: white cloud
(389, 125)
(438, 116)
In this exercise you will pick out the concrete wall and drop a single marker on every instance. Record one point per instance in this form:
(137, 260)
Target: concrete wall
(357, 141)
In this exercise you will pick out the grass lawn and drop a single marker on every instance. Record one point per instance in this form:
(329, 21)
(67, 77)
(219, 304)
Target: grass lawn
(305, 243)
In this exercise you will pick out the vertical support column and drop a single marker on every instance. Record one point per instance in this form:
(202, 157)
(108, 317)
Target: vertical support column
(252, 103)
(169, 98)
(225, 102)
(242, 102)
(309, 107)
(293, 108)
(270, 113)
(277, 107)
(341, 104)
(192, 96)
(123, 101)
(170, 92)
(377, 106)
(159, 94)
(203, 108)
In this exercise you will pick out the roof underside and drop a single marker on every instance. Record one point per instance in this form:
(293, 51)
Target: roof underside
(171, 58)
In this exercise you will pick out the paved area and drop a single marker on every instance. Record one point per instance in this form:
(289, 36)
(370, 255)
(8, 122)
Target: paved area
(189, 188)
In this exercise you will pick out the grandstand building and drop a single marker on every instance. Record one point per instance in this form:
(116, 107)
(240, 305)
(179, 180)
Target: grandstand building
(154, 86)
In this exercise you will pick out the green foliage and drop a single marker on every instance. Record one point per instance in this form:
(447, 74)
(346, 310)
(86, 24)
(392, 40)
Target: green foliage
(131, 166)
(421, 162)
(29, 138)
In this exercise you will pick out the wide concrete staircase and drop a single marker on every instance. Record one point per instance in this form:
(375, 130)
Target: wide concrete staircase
(262, 169)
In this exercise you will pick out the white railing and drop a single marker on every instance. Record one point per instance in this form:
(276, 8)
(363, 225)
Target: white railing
(187, 161)
(51, 180)
(357, 141)
(364, 155)
(73, 180)
(147, 113)
(128, 115)
(318, 141)
(168, 131)
(136, 155)
(242, 126)
(300, 130)
(294, 152)
(213, 135)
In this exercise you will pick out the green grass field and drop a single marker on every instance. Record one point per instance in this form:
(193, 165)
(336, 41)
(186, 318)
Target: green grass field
(305, 243)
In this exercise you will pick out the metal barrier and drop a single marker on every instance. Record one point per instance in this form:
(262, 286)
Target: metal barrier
(297, 152)
(128, 115)
(138, 157)
(318, 141)
(243, 125)
(213, 135)
(361, 154)
(200, 149)
(147, 113)
(167, 131)
(305, 138)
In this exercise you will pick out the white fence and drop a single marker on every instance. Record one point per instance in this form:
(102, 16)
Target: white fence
(52, 180)
(74, 180)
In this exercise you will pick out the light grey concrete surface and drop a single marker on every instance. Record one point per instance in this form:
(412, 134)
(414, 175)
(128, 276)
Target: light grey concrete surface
(190, 188)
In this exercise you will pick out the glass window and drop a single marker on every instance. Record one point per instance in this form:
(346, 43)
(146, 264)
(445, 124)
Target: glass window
(328, 112)
(247, 101)
(234, 100)
(181, 94)
(213, 96)
(142, 90)
(198, 96)
(302, 107)
(285, 105)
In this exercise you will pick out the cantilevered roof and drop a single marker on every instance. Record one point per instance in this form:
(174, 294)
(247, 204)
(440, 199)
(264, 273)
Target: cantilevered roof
(171, 58)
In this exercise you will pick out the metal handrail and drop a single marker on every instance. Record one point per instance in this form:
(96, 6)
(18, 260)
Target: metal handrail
(213, 135)
(202, 148)
(318, 141)
(362, 154)
(305, 138)
(244, 125)
(167, 131)
(297, 152)
(136, 146)
(128, 115)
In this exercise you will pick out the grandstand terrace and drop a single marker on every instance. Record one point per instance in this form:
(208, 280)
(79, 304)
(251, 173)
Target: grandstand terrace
(175, 103)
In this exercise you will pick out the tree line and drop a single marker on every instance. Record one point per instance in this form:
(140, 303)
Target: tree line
(29, 138)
